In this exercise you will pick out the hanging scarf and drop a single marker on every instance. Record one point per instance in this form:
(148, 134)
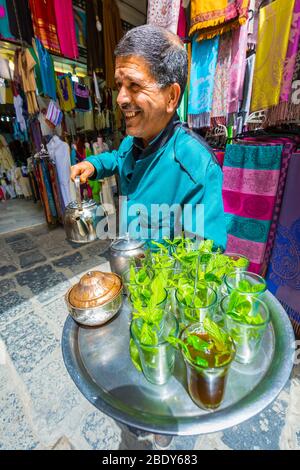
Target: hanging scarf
(273, 35)
(203, 66)
(283, 276)
(222, 77)
(251, 175)
(278, 114)
(212, 17)
(164, 13)
(291, 55)
(66, 28)
(112, 33)
(44, 23)
(237, 68)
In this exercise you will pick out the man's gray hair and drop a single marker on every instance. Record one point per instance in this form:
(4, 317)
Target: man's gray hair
(162, 50)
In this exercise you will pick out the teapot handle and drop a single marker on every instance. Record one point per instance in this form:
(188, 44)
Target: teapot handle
(78, 195)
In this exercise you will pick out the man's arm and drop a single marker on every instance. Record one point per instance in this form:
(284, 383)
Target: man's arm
(209, 195)
(96, 166)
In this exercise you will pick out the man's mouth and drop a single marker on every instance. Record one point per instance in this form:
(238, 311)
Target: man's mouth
(130, 114)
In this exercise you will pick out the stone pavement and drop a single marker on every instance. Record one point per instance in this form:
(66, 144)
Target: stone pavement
(40, 407)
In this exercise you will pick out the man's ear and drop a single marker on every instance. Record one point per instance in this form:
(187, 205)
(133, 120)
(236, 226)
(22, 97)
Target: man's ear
(173, 98)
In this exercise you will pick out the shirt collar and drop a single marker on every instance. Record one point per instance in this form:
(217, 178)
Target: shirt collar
(156, 143)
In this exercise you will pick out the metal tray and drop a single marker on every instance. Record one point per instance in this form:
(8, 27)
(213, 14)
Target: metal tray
(98, 361)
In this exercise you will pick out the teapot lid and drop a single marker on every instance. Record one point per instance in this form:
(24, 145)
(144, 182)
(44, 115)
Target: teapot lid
(94, 289)
(126, 244)
(85, 204)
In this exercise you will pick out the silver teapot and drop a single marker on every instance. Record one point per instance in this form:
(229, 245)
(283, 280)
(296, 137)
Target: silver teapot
(122, 251)
(81, 218)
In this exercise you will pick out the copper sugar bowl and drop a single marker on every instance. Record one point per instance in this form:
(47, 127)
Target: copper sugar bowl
(95, 299)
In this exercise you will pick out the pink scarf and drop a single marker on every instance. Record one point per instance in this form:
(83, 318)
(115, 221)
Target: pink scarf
(66, 28)
(238, 67)
(291, 54)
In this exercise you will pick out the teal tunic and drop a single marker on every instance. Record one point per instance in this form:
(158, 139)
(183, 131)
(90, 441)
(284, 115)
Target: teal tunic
(178, 167)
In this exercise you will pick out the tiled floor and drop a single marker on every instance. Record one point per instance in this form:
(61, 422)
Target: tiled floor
(17, 214)
(40, 407)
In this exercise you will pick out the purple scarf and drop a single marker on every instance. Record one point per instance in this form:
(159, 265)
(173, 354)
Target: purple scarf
(283, 275)
(291, 55)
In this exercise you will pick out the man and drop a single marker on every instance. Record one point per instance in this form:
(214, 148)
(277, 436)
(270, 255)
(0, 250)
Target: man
(160, 164)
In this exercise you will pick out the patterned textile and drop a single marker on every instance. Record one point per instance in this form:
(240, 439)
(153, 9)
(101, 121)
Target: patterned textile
(56, 191)
(289, 147)
(112, 33)
(210, 18)
(279, 113)
(203, 66)
(291, 55)
(222, 77)
(283, 276)
(44, 23)
(273, 35)
(66, 28)
(164, 13)
(250, 182)
(237, 68)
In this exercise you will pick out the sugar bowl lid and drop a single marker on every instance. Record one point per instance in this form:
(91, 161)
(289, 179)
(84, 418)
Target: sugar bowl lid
(95, 289)
(126, 244)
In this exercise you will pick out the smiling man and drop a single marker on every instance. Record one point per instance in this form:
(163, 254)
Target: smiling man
(162, 165)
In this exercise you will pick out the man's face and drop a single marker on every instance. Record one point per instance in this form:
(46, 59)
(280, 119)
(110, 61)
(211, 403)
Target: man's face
(146, 106)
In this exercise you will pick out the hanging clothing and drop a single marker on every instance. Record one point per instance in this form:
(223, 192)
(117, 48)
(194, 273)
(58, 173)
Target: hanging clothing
(273, 35)
(19, 16)
(182, 24)
(279, 113)
(47, 70)
(283, 276)
(222, 78)
(37, 69)
(66, 28)
(112, 33)
(23, 182)
(291, 55)
(237, 68)
(164, 13)
(5, 31)
(65, 92)
(247, 92)
(4, 69)
(44, 23)
(212, 17)
(94, 37)
(6, 159)
(204, 61)
(18, 104)
(288, 147)
(59, 152)
(82, 97)
(250, 182)
(26, 65)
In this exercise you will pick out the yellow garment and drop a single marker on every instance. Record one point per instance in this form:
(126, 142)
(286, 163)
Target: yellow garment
(212, 17)
(6, 158)
(26, 64)
(66, 102)
(273, 36)
(112, 33)
(23, 181)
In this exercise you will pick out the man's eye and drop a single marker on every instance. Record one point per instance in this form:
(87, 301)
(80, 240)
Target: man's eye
(134, 86)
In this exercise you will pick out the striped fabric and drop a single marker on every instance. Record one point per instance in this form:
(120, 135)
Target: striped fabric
(251, 175)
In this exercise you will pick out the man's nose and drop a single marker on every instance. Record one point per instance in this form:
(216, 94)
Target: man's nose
(123, 97)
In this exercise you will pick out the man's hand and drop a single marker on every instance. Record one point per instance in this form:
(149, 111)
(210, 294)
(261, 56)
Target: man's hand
(84, 169)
